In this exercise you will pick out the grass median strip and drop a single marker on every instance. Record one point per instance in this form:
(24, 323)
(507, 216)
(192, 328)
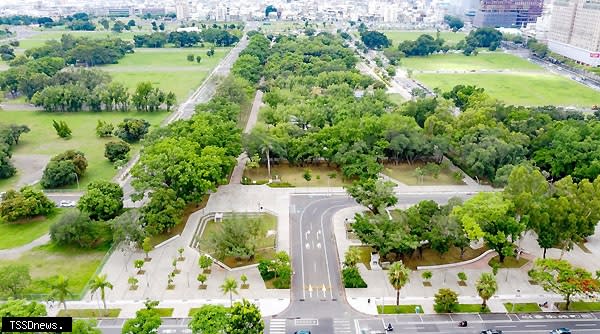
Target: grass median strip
(90, 313)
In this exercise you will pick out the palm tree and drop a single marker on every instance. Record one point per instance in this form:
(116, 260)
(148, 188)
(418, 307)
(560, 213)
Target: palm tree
(229, 286)
(266, 144)
(486, 287)
(59, 290)
(100, 283)
(398, 276)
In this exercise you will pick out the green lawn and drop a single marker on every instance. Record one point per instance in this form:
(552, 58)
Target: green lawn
(396, 98)
(581, 306)
(519, 89)
(509, 262)
(522, 307)
(41, 38)
(460, 62)
(471, 308)
(18, 234)
(398, 36)
(165, 312)
(405, 173)
(90, 313)
(431, 257)
(265, 245)
(166, 68)
(393, 309)
(42, 138)
(46, 261)
(320, 175)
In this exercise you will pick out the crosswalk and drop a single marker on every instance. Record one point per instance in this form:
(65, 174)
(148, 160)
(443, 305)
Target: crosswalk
(342, 326)
(277, 326)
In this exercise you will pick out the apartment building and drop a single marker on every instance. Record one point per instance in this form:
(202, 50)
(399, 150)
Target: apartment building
(507, 13)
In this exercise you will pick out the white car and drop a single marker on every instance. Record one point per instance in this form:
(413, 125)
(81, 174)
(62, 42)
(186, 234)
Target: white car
(67, 204)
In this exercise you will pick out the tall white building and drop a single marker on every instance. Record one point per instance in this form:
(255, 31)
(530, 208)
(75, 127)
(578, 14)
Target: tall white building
(575, 30)
(182, 10)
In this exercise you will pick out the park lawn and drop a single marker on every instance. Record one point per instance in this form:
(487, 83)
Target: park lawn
(18, 234)
(166, 68)
(580, 306)
(471, 308)
(393, 309)
(280, 26)
(42, 138)
(509, 262)
(90, 313)
(265, 245)
(295, 175)
(46, 261)
(431, 257)
(165, 312)
(522, 307)
(405, 173)
(519, 89)
(396, 98)
(40, 39)
(460, 62)
(399, 36)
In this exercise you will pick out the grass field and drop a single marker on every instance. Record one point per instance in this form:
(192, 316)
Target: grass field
(519, 89)
(431, 257)
(18, 234)
(580, 306)
(471, 308)
(265, 245)
(41, 38)
(90, 313)
(46, 261)
(393, 309)
(405, 173)
(320, 175)
(42, 138)
(166, 68)
(399, 36)
(460, 62)
(522, 307)
(509, 262)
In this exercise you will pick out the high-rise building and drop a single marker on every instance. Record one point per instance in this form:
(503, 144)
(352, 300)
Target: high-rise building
(507, 13)
(182, 10)
(575, 30)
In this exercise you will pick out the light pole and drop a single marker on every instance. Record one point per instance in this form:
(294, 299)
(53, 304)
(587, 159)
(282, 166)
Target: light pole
(76, 178)
(514, 302)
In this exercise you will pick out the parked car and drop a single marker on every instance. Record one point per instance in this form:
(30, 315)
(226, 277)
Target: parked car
(562, 330)
(302, 332)
(491, 331)
(66, 204)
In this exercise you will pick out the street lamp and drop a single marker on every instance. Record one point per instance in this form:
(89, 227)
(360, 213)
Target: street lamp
(76, 178)
(514, 302)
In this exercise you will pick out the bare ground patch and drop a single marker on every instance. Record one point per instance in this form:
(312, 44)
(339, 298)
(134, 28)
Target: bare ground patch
(30, 167)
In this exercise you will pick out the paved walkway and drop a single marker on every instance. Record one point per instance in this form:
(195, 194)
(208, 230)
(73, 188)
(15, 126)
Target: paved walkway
(13, 253)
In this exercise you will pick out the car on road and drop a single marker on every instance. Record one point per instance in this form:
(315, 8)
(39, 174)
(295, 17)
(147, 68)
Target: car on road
(302, 332)
(66, 204)
(561, 330)
(491, 331)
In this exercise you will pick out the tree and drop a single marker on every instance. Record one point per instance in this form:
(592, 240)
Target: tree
(14, 279)
(103, 200)
(352, 279)
(104, 23)
(244, 279)
(202, 278)
(161, 26)
(76, 227)
(21, 308)
(455, 23)
(171, 98)
(245, 318)
(116, 151)
(104, 129)
(59, 290)
(236, 237)
(162, 212)
(375, 40)
(132, 130)
(81, 326)
(210, 319)
(376, 195)
(462, 277)
(131, 23)
(560, 277)
(118, 26)
(138, 264)
(198, 59)
(62, 129)
(352, 257)
(486, 287)
(127, 227)
(229, 286)
(205, 262)
(64, 169)
(190, 57)
(248, 67)
(146, 321)
(100, 283)
(147, 247)
(133, 282)
(23, 204)
(446, 301)
(398, 275)
(426, 275)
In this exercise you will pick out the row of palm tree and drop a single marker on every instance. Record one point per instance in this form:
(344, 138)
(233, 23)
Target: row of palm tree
(59, 289)
(399, 276)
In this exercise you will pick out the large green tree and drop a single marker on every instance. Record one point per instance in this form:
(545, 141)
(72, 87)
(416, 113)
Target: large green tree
(210, 319)
(14, 279)
(146, 321)
(245, 319)
(162, 212)
(376, 195)
(103, 200)
(26, 203)
(486, 287)
(100, 283)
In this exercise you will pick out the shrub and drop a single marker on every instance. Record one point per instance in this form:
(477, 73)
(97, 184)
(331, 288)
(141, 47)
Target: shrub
(264, 270)
(352, 279)
(76, 228)
(446, 301)
(26, 203)
(116, 150)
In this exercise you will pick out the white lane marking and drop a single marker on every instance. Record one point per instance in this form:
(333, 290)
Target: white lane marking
(535, 325)
(586, 324)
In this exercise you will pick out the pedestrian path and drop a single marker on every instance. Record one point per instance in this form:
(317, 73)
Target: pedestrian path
(342, 326)
(13, 253)
(277, 326)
